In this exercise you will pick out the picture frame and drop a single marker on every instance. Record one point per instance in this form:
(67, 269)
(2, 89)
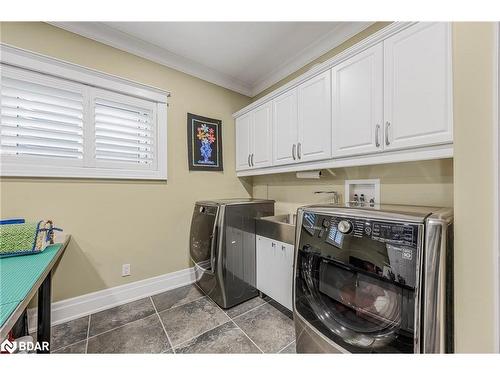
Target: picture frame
(204, 143)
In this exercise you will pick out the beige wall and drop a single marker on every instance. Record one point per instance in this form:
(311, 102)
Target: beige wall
(428, 183)
(473, 186)
(142, 223)
(465, 182)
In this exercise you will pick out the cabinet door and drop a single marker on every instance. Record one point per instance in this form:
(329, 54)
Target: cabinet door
(285, 128)
(243, 125)
(278, 290)
(314, 118)
(262, 137)
(264, 264)
(288, 251)
(357, 95)
(418, 86)
(275, 270)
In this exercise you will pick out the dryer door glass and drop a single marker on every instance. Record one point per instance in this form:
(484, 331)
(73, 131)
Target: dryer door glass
(203, 235)
(357, 288)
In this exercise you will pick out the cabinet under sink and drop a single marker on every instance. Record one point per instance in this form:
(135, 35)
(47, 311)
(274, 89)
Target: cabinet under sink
(274, 257)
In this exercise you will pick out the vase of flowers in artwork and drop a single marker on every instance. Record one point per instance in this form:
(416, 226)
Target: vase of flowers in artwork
(206, 137)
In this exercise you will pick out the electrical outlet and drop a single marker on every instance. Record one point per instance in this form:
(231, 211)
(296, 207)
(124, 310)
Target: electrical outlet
(125, 269)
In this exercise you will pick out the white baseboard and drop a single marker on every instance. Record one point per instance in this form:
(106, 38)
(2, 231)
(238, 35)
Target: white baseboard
(72, 308)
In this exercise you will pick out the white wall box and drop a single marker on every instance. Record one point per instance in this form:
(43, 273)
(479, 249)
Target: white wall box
(389, 100)
(275, 270)
(369, 188)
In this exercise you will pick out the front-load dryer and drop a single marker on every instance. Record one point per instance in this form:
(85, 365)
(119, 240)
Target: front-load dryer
(222, 247)
(373, 280)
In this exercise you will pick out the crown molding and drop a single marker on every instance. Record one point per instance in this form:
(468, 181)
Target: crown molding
(115, 38)
(329, 41)
(128, 43)
(371, 40)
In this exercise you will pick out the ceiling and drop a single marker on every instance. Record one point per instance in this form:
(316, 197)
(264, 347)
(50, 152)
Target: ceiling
(246, 57)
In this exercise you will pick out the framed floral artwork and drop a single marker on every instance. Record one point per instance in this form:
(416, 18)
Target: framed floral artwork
(204, 143)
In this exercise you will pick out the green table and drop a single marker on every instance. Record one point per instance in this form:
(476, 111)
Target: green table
(20, 278)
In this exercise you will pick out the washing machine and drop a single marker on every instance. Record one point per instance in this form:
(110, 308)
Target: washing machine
(373, 279)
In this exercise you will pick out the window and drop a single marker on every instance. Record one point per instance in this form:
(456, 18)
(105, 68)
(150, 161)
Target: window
(55, 127)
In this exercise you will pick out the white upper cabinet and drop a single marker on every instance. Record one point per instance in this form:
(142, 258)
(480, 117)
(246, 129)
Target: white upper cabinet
(302, 122)
(314, 118)
(357, 96)
(254, 139)
(285, 133)
(418, 86)
(262, 147)
(243, 125)
(391, 92)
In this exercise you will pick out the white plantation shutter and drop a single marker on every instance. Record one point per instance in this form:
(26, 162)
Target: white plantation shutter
(40, 118)
(125, 131)
(54, 127)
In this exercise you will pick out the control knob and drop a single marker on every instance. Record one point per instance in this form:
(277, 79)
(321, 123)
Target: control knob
(344, 226)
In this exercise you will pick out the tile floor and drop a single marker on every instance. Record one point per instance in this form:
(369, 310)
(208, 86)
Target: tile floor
(182, 320)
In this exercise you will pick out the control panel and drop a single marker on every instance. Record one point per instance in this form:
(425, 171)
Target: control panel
(388, 249)
(396, 233)
(334, 228)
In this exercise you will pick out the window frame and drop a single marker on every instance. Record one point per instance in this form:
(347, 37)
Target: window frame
(13, 59)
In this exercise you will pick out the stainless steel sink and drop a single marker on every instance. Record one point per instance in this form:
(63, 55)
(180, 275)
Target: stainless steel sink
(279, 227)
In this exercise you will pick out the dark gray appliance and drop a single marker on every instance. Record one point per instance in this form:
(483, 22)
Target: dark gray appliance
(373, 280)
(222, 247)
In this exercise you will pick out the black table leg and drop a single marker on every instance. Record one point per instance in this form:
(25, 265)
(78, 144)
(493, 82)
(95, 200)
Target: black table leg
(44, 306)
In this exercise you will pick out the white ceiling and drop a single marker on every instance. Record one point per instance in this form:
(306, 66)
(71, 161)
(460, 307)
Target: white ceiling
(246, 57)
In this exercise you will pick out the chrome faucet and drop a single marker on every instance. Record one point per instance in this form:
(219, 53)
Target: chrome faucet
(336, 196)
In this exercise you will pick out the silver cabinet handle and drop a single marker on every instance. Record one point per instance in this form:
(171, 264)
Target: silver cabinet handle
(299, 150)
(251, 160)
(248, 161)
(293, 151)
(377, 133)
(387, 124)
